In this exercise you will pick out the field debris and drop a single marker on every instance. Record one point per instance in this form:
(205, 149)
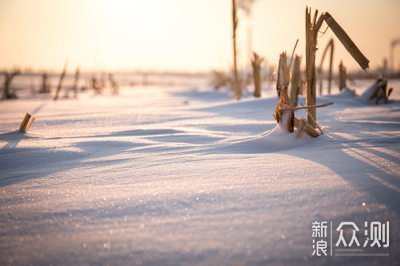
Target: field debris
(26, 123)
(285, 109)
(377, 92)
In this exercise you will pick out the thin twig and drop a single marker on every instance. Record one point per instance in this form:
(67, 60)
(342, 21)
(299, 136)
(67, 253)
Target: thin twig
(290, 108)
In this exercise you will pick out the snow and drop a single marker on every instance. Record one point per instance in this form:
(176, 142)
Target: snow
(184, 175)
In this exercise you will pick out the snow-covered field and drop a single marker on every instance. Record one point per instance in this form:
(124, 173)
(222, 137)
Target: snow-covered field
(161, 176)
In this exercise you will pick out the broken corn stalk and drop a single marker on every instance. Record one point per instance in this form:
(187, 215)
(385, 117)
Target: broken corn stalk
(26, 123)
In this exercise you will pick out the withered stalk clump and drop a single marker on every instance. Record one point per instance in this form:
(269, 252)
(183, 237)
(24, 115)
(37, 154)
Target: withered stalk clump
(313, 25)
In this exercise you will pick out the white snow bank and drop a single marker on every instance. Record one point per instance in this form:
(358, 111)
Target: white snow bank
(276, 139)
(366, 95)
(141, 178)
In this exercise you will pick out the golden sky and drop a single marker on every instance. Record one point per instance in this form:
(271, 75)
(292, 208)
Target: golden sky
(184, 35)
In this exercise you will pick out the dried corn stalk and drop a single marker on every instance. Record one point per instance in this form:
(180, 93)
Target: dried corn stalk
(235, 82)
(296, 80)
(311, 47)
(330, 46)
(292, 108)
(284, 111)
(282, 84)
(26, 123)
(342, 76)
(76, 82)
(96, 85)
(45, 87)
(8, 93)
(256, 61)
(60, 81)
(380, 91)
(350, 46)
(312, 28)
(303, 126)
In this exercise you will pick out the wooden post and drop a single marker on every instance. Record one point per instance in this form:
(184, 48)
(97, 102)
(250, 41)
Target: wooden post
(342, 76)
(296, 80)
(235, 83)
(256, 61)
(331, 47)
(60, 81)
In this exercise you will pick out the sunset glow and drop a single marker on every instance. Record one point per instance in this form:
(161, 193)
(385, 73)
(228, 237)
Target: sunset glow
(177, 34)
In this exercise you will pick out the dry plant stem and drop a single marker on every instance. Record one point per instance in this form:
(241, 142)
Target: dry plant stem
(320, 129)
(60, 81)
(30, 123)
(302, 126)
(7, 90)
(26, 123)
(235, 83)
(76, 82)
(344, 38)
(306, 107)
(256, 64)
(96, 85)
(330, 46)
(312, 28)
(45, 87)
(283, 77)
(380, 91)
(296, 80)
(342, 76)
(294, 50)
(284, 111)
(282, 88)
(311, 47)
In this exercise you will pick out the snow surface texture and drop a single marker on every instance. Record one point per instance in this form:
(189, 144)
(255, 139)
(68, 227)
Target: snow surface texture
(160, 176)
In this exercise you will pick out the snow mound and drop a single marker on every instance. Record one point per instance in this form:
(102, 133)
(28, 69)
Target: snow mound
(274, 140)
(366, 95)
(345, 93)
